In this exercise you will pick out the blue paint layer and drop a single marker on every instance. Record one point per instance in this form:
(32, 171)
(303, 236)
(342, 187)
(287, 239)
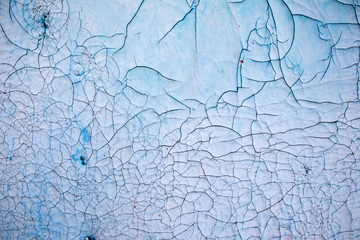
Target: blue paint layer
(86, 136)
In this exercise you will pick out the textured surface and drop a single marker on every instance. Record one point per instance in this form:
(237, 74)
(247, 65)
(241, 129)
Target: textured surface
(203, 119)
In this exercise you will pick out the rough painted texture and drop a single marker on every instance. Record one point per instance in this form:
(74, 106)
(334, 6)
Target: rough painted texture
(203, 119)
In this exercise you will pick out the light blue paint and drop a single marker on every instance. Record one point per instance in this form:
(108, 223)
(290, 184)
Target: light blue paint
(12, 149)
(76, 155)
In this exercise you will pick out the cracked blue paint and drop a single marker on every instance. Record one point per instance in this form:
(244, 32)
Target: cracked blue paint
(189, 119)
(86, 137)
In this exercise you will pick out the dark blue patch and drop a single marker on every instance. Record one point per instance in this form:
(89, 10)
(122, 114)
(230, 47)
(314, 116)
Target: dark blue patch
(79, 155)
(82, 159)
(86, 135)
(89, 238)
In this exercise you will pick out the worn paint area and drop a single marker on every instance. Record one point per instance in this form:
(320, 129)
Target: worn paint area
(187, 119)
